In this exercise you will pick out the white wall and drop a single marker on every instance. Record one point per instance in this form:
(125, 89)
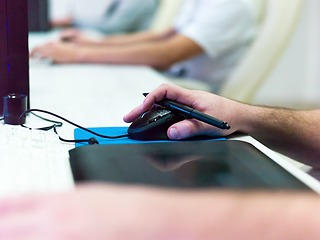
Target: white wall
(295, 82)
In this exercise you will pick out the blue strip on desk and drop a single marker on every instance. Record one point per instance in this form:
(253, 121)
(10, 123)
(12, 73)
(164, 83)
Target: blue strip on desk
(116, 131)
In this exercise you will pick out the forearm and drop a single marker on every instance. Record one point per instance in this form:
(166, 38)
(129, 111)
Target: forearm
(137, 55)
(293, 133)
(159, 55)
(241, 216)
(134, 38)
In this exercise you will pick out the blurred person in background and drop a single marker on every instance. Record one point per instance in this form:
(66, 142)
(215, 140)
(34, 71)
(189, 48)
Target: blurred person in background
(206, 41)
(105, 16)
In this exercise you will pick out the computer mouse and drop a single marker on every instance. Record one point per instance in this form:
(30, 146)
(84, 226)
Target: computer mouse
(153, 124)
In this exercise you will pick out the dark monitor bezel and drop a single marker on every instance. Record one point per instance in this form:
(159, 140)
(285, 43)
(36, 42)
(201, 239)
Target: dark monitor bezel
(14, 53)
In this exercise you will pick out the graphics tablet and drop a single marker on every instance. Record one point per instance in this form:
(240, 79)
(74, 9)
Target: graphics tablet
(190, 164)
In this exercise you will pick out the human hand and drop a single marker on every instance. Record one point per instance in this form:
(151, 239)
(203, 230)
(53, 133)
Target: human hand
(75, 36)
(213, 105)
(57, 52)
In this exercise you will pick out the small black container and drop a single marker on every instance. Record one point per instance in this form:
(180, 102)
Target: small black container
(13, 106)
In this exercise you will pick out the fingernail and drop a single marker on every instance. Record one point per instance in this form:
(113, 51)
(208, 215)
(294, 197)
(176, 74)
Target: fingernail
(174, 134)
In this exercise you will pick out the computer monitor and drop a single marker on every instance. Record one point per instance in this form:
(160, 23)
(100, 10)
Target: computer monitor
(14, 54)
(38, 15)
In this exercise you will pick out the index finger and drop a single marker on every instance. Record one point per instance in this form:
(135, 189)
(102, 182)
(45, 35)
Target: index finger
(165, 90)
(36, 52)
(168, 91)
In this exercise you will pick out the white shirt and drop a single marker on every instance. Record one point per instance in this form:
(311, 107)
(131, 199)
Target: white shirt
(107, 16)
(223, 29)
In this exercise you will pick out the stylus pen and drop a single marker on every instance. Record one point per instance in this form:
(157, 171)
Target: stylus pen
(192, 113)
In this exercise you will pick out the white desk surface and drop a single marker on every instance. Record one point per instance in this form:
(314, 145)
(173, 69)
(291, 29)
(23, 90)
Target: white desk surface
(100, 95)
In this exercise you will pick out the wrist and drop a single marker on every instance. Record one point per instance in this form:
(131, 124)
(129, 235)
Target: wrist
(249, 118)
(83, 55)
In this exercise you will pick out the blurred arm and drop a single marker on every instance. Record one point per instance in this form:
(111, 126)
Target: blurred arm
(76, 36)
(158, 54)
(122, 212)
(144, 36)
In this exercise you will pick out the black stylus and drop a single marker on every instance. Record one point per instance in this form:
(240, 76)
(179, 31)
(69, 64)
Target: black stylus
(192, 113)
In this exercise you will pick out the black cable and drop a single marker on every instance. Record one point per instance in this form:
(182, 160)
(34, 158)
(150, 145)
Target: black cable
(90, 140)
(59, 124)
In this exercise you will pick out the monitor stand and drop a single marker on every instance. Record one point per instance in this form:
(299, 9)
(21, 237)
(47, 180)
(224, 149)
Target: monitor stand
(14, 54)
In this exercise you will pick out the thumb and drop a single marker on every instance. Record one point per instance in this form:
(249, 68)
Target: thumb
(185, 129)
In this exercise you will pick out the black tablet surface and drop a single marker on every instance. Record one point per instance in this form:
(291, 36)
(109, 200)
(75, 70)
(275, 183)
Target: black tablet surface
(190, 164)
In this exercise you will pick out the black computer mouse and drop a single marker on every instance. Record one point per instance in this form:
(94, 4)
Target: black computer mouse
(153, 124)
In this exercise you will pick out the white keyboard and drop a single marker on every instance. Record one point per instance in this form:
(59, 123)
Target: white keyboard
(32, 161)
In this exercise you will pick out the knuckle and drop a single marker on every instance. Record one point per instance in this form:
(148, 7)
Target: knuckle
(187, 128)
